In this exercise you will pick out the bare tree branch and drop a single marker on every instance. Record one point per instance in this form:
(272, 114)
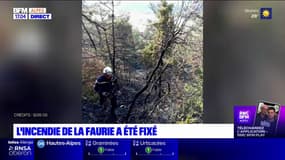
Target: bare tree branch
(158, 64)
(94, 22)
(89, 35)
(155, 81)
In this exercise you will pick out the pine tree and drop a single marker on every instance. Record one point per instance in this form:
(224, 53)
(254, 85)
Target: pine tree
(163, 27)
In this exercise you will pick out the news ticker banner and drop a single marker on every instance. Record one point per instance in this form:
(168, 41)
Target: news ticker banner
(142, 149)
(122, 131)
(31, 14)
(253, 121)
(90, 149)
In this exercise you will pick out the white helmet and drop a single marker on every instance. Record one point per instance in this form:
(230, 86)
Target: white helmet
(107, 70)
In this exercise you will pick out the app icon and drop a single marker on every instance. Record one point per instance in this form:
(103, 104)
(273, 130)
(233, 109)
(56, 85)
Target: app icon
(265, 13)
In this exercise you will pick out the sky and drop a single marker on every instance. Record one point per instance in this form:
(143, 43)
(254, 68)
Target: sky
(139, 12)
